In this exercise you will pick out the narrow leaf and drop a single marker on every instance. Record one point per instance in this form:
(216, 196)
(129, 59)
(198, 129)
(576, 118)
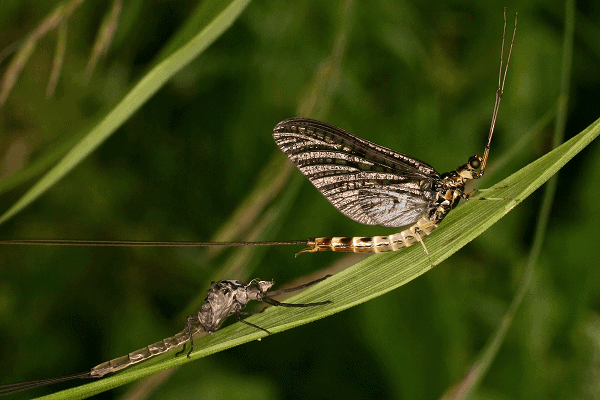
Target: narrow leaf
(141, 92)
(371, 277)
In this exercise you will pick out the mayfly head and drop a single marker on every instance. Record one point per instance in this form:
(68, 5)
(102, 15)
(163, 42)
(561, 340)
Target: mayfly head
(470, 169)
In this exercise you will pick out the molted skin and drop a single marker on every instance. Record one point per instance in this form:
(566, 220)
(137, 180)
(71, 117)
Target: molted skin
(224, 298)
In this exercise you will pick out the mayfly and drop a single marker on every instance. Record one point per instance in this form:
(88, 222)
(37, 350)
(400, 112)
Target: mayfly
(225, 298)
(368, 183)
(374, 185)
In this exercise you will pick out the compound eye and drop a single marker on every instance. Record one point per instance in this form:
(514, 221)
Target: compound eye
(474, 162)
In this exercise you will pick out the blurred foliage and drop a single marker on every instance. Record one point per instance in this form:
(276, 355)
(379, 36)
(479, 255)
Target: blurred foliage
(417, 77)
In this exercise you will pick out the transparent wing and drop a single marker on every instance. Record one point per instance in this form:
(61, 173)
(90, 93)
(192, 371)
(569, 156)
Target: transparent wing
(369, 183)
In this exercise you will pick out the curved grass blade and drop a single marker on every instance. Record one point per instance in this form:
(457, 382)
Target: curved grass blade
(371, 277)
(276, 181)
(140, 93)
(472, 380)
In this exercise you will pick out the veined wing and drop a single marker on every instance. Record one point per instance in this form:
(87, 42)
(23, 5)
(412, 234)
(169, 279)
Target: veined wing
(367, 182)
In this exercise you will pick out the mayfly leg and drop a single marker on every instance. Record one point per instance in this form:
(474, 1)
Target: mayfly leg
(274, 293)
(269, 300)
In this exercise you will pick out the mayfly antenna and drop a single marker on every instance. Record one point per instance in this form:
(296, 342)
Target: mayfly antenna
(499, 91)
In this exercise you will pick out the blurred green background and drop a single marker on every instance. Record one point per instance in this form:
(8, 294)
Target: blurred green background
(418, 77)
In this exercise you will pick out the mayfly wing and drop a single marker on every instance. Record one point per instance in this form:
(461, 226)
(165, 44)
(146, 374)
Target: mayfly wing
(368, 183)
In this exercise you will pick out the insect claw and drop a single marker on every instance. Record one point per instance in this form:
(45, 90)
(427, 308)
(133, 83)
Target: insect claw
(181, 351)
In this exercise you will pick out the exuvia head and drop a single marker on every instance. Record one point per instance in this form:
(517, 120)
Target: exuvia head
(257, 288)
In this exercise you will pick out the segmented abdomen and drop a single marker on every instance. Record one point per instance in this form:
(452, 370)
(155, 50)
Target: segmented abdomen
(374, 244)
(140, 355)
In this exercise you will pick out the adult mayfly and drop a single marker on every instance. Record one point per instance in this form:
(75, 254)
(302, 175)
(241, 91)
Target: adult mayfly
(225, 298)
(375, 185)
(368, 183)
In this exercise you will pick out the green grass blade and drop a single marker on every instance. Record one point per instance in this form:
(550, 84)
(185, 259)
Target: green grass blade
(258, 217)
(472, 381)
(371, 277)
(140, 93)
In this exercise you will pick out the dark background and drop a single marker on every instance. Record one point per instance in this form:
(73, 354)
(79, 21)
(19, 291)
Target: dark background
(418, 77)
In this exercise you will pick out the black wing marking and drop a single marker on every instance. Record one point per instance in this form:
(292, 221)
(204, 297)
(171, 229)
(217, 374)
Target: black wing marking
(368, 183)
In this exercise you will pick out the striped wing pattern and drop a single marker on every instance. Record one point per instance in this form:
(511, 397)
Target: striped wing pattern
(369, 183)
